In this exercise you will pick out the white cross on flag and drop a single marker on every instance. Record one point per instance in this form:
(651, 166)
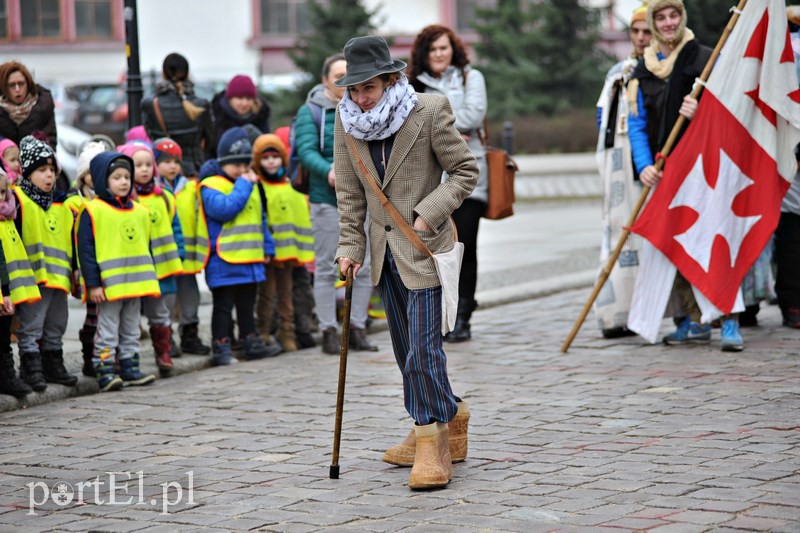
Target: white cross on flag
(719, 199)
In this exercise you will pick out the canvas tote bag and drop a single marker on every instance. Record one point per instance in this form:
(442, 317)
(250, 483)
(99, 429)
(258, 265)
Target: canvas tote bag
(448, 264)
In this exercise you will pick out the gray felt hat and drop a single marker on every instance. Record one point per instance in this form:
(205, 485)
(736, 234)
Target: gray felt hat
(366, 58)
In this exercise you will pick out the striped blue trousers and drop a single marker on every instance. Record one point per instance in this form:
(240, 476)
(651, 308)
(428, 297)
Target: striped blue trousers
(415, 324)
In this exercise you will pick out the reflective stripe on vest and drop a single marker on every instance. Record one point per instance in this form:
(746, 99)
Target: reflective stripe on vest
(289, 222)
(186, 201)
(21, 281)
(161, 208)
(122, 247)
(47, 236)
(241, 240)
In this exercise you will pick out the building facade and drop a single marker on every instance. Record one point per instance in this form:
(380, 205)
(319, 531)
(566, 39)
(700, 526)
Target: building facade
(70, 41)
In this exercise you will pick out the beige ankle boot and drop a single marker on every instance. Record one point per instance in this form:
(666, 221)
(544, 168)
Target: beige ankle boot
(432, 466)
(403, 454)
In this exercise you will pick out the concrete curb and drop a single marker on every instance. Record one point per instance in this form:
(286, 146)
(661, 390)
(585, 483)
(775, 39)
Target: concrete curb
(190, 363)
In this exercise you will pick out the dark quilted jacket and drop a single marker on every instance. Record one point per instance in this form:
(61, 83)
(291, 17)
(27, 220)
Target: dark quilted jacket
(191, 136)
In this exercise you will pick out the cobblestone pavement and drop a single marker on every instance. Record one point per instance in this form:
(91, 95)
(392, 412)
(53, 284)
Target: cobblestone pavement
(614, 435)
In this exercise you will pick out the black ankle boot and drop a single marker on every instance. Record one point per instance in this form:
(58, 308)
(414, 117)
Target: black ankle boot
(190, 341)
(86, 335)
(30, 370)
(461, 331)
(54, 371)
(9, 382)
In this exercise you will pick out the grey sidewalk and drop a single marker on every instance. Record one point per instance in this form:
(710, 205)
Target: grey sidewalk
(612, 436)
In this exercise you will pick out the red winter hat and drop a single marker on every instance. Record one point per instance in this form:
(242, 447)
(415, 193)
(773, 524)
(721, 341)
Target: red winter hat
(242, 86)
(165, 148)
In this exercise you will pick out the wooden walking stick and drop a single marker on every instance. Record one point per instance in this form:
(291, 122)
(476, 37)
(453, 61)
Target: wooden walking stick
(668, 145)
(337, 430)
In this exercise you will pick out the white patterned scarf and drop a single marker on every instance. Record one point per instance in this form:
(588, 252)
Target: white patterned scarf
(383, 120)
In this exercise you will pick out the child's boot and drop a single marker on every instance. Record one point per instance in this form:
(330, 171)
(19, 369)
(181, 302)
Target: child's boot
(54, 370)
(286, 337)
(222, 355)
(174, 350)
(190, 341)
(9, 381)
(160, 336)
(30, 371)
(131, 374)
(256, 348)
(86, 335)
(107, 380)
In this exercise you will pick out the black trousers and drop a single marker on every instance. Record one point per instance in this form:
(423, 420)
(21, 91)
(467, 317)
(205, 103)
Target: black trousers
(467, 217)
(787, 259)
(243, 298)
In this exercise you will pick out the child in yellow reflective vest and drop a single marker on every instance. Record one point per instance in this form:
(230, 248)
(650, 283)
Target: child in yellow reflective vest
(18, 286)
(45, 227)
(231, 218)
(289, 221)
(166, 247)
(113, 243)
(168, 159)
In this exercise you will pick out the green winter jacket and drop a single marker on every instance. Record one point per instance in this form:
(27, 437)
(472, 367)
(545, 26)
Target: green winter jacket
(307, 141)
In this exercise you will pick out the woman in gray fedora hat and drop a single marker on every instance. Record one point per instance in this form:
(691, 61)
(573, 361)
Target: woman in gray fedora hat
(402, 141)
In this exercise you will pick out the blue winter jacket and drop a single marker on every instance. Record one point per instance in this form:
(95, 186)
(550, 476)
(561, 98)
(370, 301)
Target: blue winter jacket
(220, 208)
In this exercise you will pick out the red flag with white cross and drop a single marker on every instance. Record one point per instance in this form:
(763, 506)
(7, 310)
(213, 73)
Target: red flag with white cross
(719, 199)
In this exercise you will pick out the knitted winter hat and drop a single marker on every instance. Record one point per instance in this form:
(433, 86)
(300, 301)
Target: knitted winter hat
(269, 142)
(234, 147)
(639, 14)
(242, 86)
(131, 148)
(138, 133)
(89, 151)
(165, 148)
(656, 6)
(33, 154)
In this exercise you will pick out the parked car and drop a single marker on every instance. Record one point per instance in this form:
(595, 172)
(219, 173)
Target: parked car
(70, 142)
(102, 108)
(65, 106)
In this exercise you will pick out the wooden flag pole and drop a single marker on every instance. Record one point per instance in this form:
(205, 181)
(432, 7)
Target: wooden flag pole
(668, 145)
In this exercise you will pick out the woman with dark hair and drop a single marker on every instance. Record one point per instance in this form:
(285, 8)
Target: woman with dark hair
(25, 106)
(439, 65)
(176, 112)
(239, 104)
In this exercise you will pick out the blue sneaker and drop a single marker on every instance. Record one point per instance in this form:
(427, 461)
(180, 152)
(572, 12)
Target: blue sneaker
(731, 337)
(689, 332)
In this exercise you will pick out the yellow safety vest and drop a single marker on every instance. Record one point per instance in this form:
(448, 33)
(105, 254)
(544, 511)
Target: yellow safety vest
(47, 236)
(22, 283)
(195, 246)
(166, 257)
(122, 249)
(289, 222)
(75, 204)
(241, 240)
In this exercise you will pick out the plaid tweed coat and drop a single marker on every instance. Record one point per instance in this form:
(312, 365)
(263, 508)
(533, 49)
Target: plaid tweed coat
(426, 144)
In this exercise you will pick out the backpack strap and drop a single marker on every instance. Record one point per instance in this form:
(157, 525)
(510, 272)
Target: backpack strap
(319, 119)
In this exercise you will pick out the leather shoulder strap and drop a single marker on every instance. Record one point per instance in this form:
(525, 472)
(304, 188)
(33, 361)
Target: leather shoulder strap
(160, 117)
